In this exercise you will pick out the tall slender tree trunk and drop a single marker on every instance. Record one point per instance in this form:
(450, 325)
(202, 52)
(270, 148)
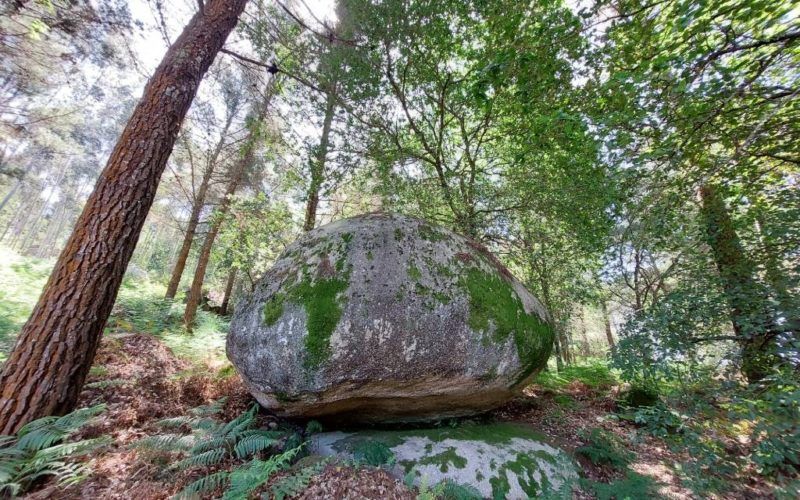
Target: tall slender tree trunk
(194, 218)
(223, 308)
(10, 194)
(747, 303)
(318, 166)
(46, 369)
(196, 290)
(607, 322)
(30, 234)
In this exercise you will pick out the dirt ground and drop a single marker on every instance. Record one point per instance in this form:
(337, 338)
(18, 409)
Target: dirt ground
(142, 382)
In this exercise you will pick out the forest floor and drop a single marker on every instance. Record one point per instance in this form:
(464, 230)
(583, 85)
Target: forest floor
(142, 381)
(148, 369)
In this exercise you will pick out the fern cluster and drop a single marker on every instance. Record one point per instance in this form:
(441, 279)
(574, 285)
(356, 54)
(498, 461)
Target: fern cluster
(293, 484)
(41, 448)
(202, 441)
(605, 448)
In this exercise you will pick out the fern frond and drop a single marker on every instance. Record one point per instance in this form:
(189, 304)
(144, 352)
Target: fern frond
(262, 432)
(240, 423)
(211, 443)
(247, 479)
(205, 484)
(205, 459)
(177, 421)
(36, 424)
(66, 449)
(79, 417)
(40, 438)
(166, 443)
(251, 445)
(209, 410)
(294, 484)
(7, 441)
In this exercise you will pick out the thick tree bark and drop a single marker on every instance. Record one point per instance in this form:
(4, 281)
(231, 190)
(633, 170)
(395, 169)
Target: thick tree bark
(318, 166)
(749, 313)
(223, 308)
(49, 363)
(194, 218)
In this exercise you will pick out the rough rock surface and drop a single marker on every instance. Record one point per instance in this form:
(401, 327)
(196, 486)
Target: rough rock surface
(387, 318)
(499, 460)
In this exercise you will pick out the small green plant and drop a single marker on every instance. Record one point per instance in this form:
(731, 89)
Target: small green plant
(293, 484)
(604, 448)
(640, 395)
(313, 427)
(632, 487)
(42, 448)
(373, 453)
(659, 420)
(456, 491)
(210, 442)
(592, 373)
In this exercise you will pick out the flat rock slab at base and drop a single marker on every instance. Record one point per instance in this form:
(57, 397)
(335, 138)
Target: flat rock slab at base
(502, 461)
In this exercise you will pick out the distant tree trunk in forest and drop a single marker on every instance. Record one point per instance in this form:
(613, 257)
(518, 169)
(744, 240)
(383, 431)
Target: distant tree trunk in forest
(318, 166)
(226, 298)
(607, 323)
(196, 290)
(10, 194)
(194, 218)
(46, 369)
(749, 313)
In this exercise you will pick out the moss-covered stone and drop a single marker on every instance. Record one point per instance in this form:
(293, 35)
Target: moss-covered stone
(323, 310)
(494, 305)
(414, 273)
(273, 309)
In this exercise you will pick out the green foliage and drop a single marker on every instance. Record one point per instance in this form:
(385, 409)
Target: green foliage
(604, 448)
(593, 373)
(141, 308)
(659, 420)
(640, 394)
(372, 452)
(42, 448)
(313, 427)
(455, 491)
(633, 487)
(209, 442)
(21, 282)
(245, 480)
(253, 233)
(294, 483)
(774, 408)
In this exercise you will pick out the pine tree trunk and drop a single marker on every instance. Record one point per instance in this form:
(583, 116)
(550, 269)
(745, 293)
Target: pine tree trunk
(607, 321)
(10, 194)
(747, 303)
(194, 218)
(46, 369)
(196, 290)
(223, 308)
(318, 166)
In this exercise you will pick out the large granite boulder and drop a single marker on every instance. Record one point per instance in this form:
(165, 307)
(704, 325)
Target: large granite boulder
(387, 318)
(501, 460)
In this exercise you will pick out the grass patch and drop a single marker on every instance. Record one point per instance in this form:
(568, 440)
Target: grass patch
(594, 373)
(21, 283)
